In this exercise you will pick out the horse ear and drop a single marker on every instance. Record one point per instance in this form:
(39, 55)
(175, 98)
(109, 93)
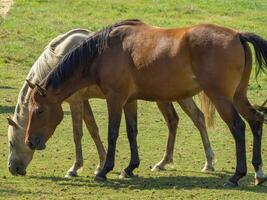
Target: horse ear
(30, 84)
(11, 122)
(40, 89)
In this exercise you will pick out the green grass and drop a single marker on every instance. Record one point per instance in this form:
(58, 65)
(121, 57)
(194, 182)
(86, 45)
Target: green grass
(27, 29)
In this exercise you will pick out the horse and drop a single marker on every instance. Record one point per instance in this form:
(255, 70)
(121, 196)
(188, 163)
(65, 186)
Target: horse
(20, 156)
(132, 60)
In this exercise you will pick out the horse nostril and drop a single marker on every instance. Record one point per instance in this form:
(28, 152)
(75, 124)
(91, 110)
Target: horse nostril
(30, 144)
(17, 169)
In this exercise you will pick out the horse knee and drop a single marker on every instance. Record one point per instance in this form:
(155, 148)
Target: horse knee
(113, 136)
(77, 136)
(173, 122)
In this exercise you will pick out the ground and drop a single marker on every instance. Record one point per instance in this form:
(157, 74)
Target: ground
(23, 35)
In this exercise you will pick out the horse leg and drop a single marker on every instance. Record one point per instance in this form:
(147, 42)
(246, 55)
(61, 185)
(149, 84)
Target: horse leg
(236, 125)
(76, 109)
(91, 125)
(130, 111)
(171, 118)
(115, 105)
(255, 121)
(195, 114)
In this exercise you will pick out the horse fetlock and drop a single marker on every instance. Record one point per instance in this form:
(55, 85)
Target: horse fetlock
(207, 168)
(158, 167)
(71, 174)
(108, 168)
(242, 173)
(98, 169)
(135, 164)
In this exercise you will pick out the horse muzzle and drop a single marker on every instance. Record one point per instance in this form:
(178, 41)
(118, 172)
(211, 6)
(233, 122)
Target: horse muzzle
(16, 170)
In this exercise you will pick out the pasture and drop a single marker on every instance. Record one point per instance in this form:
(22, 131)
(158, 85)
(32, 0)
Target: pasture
(24, 33)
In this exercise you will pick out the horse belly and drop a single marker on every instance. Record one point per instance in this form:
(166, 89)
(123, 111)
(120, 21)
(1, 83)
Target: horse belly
(165, 83)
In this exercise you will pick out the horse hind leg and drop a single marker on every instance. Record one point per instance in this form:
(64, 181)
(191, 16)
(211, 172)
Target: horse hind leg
(171, 118)
(255, 121)
(229, 114)
(76, 113)
(91, 125)
(195, 114)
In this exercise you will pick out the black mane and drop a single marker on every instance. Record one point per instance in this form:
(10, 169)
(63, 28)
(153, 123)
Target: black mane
(83, 55)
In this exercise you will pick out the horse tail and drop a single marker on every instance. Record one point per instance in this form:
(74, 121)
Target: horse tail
(260, 49)
(208, 109)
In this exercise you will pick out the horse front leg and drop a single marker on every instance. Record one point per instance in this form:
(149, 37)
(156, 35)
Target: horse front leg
(115, 105)
(76, 109)
(130, 111)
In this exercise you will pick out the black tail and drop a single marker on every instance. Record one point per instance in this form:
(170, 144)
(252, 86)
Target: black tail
(260, 48)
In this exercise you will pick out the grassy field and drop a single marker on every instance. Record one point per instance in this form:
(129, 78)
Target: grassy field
(23, 35)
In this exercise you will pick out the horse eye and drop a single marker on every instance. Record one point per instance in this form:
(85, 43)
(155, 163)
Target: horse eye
(39, 112)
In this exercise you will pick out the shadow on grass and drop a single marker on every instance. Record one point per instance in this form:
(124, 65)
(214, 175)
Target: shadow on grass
(6, 109)
(7, 87)
(12, 192)
(157, 183)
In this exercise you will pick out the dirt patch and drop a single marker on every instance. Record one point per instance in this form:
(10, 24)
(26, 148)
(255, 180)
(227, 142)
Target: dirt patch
(5, 6)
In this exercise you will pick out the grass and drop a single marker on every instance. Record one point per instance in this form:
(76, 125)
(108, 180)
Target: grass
(24, 33)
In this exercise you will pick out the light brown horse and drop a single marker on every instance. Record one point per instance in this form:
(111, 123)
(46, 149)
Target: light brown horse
(132, 60)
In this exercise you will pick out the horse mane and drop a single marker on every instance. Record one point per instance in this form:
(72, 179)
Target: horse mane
(84, 54)
(39, 70)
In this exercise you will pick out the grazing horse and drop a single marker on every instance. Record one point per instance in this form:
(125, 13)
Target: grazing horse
(132, 60)
(20, 156)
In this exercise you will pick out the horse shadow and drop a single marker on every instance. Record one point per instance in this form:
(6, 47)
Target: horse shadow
(12, 192)
(163, 182)
(7, 87)
(6, 109)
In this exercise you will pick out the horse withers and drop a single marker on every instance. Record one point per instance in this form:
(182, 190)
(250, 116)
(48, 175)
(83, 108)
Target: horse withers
(132, 60)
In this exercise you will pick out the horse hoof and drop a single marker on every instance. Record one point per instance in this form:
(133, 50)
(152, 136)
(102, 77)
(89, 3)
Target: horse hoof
(124, 175)
(259, 181)
(99, 178)
(157, 168)
(230, 184)
(208, 169)
(71, 174)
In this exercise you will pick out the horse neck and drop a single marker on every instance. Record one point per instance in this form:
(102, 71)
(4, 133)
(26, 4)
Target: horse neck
(68, 87)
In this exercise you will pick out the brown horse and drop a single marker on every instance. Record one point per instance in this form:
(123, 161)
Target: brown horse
(132, 60)
(20, 155)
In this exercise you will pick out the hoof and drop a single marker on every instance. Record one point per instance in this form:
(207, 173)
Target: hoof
(71, 174)
(99, 178)
(157, 168)
(230, 184)
(208, 169)
(259, 181)
(124, 175)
